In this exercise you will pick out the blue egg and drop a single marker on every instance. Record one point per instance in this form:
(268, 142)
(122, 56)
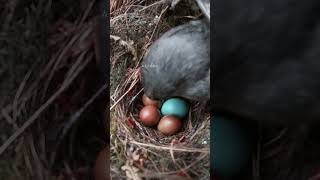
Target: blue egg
(175, 107)
(231, 147)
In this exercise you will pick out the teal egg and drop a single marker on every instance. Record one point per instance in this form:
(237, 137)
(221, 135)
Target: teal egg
(231, 147)
(175, 107)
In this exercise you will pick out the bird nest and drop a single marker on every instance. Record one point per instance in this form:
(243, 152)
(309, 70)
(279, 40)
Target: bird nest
(138, 151)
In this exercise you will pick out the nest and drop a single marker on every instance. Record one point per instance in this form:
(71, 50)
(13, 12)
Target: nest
(138, 151)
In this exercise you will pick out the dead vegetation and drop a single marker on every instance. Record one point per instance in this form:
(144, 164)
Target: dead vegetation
(53, 119)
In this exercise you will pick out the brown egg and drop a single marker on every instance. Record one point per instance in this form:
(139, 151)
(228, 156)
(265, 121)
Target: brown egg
(100, 168)
(149, 115)
(147, 101)
(169, 125)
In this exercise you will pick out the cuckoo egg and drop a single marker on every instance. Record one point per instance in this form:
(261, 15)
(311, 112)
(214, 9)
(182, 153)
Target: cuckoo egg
(175, 107)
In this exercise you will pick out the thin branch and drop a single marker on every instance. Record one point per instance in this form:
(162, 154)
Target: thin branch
(34, 117)
(184, 149)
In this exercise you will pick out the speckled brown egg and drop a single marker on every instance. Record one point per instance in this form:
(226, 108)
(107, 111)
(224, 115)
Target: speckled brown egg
(147, 101)
(169, 125)
(100, 168)
(149, 115)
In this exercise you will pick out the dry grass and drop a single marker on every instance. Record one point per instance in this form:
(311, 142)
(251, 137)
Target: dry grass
(52, 97)
(137, 151)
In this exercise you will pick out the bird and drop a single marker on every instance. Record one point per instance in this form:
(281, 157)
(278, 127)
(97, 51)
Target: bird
(266, 60)
(266, 68)
(178, 63)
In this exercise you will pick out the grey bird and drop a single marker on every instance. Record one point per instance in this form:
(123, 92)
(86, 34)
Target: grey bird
(178, 63)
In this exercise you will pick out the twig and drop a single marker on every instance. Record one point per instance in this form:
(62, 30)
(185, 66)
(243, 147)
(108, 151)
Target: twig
(275, 139)
(160, 17)
(172, 153)
(61, 56)
(132, 86)
(27, 159)
(68, 170)
(151, 5)
(19, 92)
(38, 164)
(135, 96)
(77, 114)
(9, 14)
(185, 149)
(8, 118)
(73, 119)
(86, 13)
(153, 175)
(32, 119)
